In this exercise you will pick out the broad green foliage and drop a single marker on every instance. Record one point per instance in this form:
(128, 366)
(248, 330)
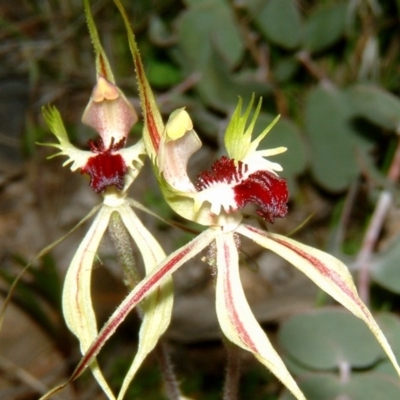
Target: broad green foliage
(314, 340)
(325, 346)
(325, 26)
(334, 140)
(376, 105)
(280, 22)
(205, 26)
(385, 270)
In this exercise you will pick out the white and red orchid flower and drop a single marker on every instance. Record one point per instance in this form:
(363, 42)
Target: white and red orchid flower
(216, 201)
(112, 167)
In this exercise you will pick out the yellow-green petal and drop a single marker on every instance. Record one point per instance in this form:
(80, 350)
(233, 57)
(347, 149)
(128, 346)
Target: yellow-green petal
(329, 273)
(76, 300)
(236, 318)
(157, 308)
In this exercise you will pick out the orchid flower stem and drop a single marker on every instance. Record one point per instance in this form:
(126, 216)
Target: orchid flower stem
(232, 373)
(374, 228)
(122, 242)
(171, 386)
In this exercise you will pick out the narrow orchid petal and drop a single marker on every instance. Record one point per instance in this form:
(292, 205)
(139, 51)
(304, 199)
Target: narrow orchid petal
(238, 137)
(329, 273)
(153, 124)
(157, 308)
(147, 286)
(102, 65)
(77, 157)
(77, 302)
(236, 318)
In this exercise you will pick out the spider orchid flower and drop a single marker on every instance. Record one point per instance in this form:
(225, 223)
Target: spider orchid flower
(112, 167)
(216, 201)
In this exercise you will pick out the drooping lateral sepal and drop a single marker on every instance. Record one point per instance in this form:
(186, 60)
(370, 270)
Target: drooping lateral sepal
(236, 318)
(326, 271)
(156, 309)
(77, 303)
(148, 285)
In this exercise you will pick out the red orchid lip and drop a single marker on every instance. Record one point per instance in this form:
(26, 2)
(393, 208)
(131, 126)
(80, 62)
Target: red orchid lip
(263, 188)
(105, 168)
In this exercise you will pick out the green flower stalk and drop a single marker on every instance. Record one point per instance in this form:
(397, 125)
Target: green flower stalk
(216, 200)
(112, 168)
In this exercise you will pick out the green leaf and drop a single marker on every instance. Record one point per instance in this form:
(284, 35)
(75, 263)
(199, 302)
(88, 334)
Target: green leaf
(325, 27)
(280, 22)
(315, 340)
(357, 386)
(206, 25)
(376, 105)
(385, 270)
(219, 87)
(333, 138)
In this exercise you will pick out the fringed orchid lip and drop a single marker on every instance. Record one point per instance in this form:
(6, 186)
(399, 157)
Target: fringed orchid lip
(231, 186)
(106, 168)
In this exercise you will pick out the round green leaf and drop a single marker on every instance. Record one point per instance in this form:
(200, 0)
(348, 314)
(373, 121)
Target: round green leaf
(219, 87)
(207, 25)
(326, 338)
(280, 21)
(368, 386)
(386, 268)
(334, 140)
(325, 27)
(376, 105)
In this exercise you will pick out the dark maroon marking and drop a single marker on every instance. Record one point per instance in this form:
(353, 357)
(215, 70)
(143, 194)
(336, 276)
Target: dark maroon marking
(232, 310)
(110, 328)
(223, 170)
(105, 169)
(154, 134)
(263, 188)
(267, 191)
(97, 146)
(102, 66)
